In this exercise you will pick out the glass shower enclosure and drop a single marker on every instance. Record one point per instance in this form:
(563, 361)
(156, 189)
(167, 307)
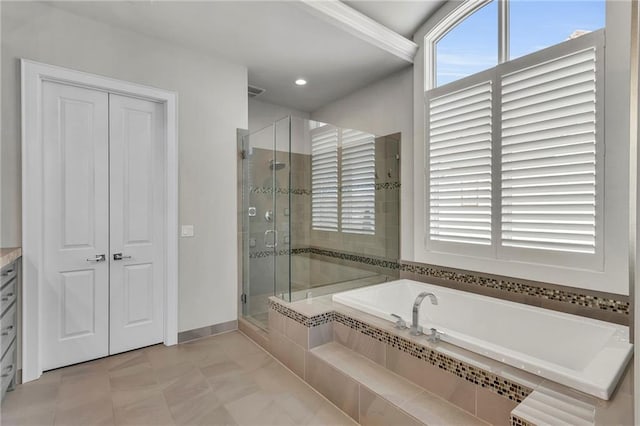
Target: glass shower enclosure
(320, 212)
(266, 210)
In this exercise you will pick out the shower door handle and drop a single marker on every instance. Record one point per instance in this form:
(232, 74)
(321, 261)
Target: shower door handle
(275, 238)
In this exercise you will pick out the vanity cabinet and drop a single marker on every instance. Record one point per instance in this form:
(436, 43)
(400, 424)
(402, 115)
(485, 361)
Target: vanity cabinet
(8, 326)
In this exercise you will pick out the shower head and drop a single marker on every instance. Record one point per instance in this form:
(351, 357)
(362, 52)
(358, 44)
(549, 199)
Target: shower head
(276, 165)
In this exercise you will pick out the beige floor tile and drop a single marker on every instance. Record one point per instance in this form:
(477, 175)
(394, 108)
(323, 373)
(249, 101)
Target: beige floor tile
(258, 409)
(28, 416)
(126, 362)
(32, 395)
(254, 361)
(330, 415)
(300, 407)
(85, 411)
(221, 370)
(161, 356)
(152, 411)
(97, 366)
(230, 388)
(197, 410)
(168, 374)
(221, 380)
(190, 385)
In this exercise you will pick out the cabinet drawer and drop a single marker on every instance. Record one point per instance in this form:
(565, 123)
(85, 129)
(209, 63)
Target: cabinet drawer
(8, 328)
(8, 294)
(8, 367)
(8, 273)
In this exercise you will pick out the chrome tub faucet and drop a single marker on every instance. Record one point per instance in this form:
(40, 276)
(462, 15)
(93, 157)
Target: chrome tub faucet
(416, 329)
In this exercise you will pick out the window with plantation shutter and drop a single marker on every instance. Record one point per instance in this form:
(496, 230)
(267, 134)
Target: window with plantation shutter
(358, 182)
(460, 165)
(324, 178)
(549, 155)
(515, 159)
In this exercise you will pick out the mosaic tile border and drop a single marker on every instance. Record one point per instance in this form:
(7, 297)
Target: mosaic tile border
(388, 185)
(313, 321)
(383, 263)
(302, 191)
(518, 421)
(499, 385)
(268, 253)
(511, 286)
(282, 191)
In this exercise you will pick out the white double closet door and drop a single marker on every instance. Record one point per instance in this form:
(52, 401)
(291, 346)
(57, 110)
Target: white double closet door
(103, 158)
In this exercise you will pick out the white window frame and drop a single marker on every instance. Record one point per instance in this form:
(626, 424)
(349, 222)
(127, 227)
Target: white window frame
(613, 276)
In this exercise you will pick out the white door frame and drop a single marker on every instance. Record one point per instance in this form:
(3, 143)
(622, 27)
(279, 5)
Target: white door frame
(33, 75)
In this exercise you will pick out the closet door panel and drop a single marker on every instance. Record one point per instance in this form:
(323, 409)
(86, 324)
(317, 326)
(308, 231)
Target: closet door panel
(75, 304)
(137, 218)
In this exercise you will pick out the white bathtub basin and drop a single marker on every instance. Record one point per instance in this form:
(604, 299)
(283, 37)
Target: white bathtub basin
(582, 353)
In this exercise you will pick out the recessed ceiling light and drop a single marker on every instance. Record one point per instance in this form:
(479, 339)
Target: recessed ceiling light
(301, 82)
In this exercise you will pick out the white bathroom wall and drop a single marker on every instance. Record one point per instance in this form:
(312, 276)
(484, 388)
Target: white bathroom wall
(263, 114)
(212, 103)
(383, 108)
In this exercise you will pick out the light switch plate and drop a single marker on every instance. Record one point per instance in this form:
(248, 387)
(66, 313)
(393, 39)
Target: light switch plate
(186, 231)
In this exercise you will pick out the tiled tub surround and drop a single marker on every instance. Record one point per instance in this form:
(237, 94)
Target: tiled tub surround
(488, 389)
(592, 304)
(583, 353)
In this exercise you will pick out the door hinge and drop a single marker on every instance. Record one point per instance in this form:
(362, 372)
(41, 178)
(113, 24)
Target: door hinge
(243, 154)
(243, 298)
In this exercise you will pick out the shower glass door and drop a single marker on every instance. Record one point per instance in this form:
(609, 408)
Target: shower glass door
(266, 213)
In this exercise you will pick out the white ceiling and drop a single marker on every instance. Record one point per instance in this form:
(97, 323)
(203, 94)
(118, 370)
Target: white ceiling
(403, 17)
(277, 41)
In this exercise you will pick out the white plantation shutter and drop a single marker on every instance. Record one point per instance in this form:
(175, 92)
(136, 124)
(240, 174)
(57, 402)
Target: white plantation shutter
(516, 159)
(460, 165)
(324, 178)
(549, 155)
(358, 177)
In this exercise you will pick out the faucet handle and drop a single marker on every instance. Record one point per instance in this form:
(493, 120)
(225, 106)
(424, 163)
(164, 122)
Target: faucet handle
(434, 336)
(400, 323)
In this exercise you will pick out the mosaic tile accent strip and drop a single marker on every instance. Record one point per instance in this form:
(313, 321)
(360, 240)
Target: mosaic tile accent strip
(268, 253)
(387, 185)
(301, 191)
(511, 286)
(329, 253)
(384, 263)
(302, 319)
(518, 421)
(477, 376)
(282, 191)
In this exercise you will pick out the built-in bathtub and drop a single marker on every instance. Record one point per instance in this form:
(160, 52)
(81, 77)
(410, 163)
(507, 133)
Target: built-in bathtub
(582, 353)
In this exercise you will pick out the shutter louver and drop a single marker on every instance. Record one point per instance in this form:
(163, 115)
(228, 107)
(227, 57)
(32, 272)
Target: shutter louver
(358, 182)
(324, 178)
(549, 155)
(460, 165)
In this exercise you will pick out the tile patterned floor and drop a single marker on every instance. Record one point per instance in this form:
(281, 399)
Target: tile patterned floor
(221, 380)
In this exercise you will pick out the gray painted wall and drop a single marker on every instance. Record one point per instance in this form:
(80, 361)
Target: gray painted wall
(212, 103)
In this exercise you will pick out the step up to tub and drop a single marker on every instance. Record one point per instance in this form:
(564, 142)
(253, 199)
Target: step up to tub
(547, 407)
(371, 394)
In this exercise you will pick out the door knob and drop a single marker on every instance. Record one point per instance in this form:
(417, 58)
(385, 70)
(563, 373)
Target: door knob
(98, 258)
(119, 256)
